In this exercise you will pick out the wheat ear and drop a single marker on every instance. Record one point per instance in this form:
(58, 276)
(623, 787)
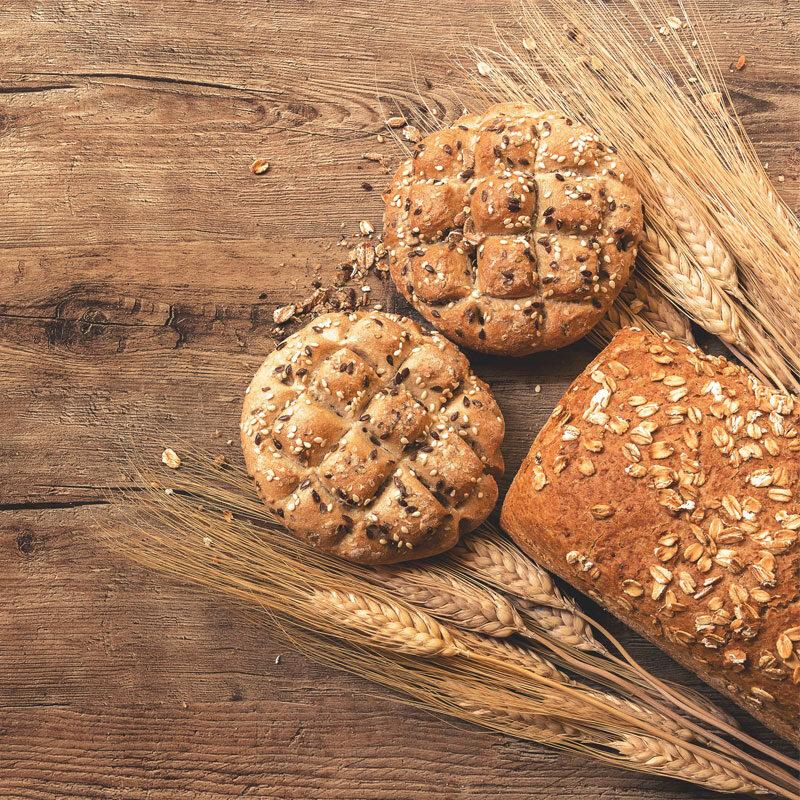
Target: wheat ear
(562, 624)
(409, 631)
(618, 316)
(646, 301)
(398, 627)
(656, 315)
(703, 301)
(455, 600)
(481, 610)
(664, 758)
(537, 727)
(513, 654)
(533, 662)
(707, 248)
(487, 557)
(660, 720)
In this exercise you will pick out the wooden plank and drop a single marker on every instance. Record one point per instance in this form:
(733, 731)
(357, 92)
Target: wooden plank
(128, 136)
(109, 354)
(88, 180)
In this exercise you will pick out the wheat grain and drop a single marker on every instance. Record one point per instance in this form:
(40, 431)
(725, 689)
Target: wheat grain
(448, 597)
(388, 624)
(489, 558)
(657, 755)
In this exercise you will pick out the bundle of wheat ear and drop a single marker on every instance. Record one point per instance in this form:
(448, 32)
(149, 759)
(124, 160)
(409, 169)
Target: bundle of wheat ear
(482, 634)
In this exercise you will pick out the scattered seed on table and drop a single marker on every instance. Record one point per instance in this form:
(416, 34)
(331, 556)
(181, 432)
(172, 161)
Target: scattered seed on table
(259, 166)
(170, 458)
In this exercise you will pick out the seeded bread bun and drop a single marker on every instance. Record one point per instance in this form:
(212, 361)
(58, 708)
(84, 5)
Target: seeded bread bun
(512, 231)
(666, 485)
(371, 439)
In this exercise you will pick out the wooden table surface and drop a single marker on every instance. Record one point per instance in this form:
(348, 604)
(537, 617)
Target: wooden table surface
(141, 263)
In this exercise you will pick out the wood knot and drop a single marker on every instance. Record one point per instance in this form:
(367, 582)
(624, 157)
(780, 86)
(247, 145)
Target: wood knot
(25, 543)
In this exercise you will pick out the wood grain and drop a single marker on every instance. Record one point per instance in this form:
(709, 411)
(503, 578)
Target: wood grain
(140, 262)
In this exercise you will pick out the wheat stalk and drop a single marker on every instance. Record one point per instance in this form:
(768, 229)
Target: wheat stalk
(674, 761)
(404, 629)
(710, 307)
(476, 608)
(367, 630)
(249, 551)
(707, 249)
(490, 559)
(702, 182)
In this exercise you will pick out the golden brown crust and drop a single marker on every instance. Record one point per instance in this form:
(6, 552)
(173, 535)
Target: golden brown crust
(666, 484)
(371, 439)
(512, 231)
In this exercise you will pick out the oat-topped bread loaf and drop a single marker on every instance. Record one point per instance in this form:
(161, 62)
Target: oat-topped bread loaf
(512, 231)
(372, 439)
(666, 484)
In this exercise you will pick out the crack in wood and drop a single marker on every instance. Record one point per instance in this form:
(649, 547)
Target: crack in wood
(133, 76)
(50, 505)
(25, 89)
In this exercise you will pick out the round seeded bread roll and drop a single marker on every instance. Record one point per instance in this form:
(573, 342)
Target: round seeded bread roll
(512, 231)
(371, 439)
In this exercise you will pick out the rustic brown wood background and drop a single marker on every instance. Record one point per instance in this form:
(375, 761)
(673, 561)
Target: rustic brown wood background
(141, 262)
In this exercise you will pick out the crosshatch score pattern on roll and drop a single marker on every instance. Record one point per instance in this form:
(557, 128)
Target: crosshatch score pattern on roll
(512, 231)
(371, 439)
